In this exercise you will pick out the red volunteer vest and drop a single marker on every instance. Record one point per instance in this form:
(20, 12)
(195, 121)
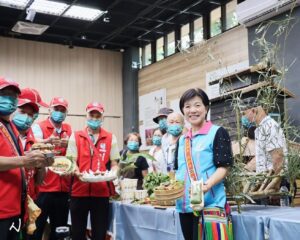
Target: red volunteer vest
(89, 157)
(10, 180)
(52, 181)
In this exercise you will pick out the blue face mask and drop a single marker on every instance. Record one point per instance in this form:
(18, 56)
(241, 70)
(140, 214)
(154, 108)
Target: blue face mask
(94, 124)
(163, 124)
(133, 146)
(35, 116)
(22, 121)
(58, 116)
(8, 105)
(174, 129)
(246, 123)
(156, 140)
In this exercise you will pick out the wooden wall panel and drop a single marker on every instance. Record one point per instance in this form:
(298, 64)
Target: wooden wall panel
(185, 70)
(80, 75)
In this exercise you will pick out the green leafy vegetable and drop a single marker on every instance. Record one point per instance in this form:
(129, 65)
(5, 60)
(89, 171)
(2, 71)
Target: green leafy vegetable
(153, 180)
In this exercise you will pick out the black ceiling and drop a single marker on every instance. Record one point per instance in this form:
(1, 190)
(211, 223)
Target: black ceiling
(132, 22)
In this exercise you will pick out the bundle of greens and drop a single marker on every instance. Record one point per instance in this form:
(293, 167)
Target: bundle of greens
(170, 185)
(153, 180)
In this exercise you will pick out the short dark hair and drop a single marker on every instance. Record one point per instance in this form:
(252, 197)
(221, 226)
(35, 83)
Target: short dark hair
(157, 129)
(191, 93)
(135, 134)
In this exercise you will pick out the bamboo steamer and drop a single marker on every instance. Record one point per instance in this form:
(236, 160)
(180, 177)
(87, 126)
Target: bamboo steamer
(169, 195)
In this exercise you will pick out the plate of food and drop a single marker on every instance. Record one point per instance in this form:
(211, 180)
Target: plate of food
(62, 166)
(44, 147)
(98, 176)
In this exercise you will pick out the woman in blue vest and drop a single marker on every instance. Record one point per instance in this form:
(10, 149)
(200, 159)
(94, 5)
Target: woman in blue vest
(207, 148)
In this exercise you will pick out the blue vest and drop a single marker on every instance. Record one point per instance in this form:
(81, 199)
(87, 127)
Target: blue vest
(202, 155)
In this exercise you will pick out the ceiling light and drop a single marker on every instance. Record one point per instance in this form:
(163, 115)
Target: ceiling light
(49, 7)
(83, 13)
(29, 28)
(19, 4)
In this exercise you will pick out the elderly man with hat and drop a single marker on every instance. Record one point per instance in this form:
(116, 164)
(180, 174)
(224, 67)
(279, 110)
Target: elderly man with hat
(171, 124)
(12, 164)
(54, 192)
(270, 143)
(161, 118)
(94, 149)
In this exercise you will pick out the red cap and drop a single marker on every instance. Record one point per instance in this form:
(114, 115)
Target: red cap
(95, 106)
(32, 95)
(59, 101)
(39, 99)
(7, 83)
(28, 96)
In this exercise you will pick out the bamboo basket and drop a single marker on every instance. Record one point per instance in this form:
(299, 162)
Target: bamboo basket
(169, 195)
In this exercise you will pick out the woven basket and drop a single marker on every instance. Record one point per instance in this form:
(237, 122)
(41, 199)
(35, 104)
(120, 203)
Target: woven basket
(168, 195)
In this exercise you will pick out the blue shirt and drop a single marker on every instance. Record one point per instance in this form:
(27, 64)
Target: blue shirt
(203, 158)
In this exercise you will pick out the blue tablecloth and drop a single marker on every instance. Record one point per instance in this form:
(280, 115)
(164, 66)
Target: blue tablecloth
(267, 222)
(143, 222)
(254, 223)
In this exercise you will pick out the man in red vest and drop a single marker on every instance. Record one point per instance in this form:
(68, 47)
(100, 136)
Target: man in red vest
(27, 112)
(28, 109)
(54, 192)
(94, 149)
(12, 164)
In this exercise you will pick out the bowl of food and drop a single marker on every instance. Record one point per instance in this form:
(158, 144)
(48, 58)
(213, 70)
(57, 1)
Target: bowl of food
(62, 166)
(98, 176)
(44, 147)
